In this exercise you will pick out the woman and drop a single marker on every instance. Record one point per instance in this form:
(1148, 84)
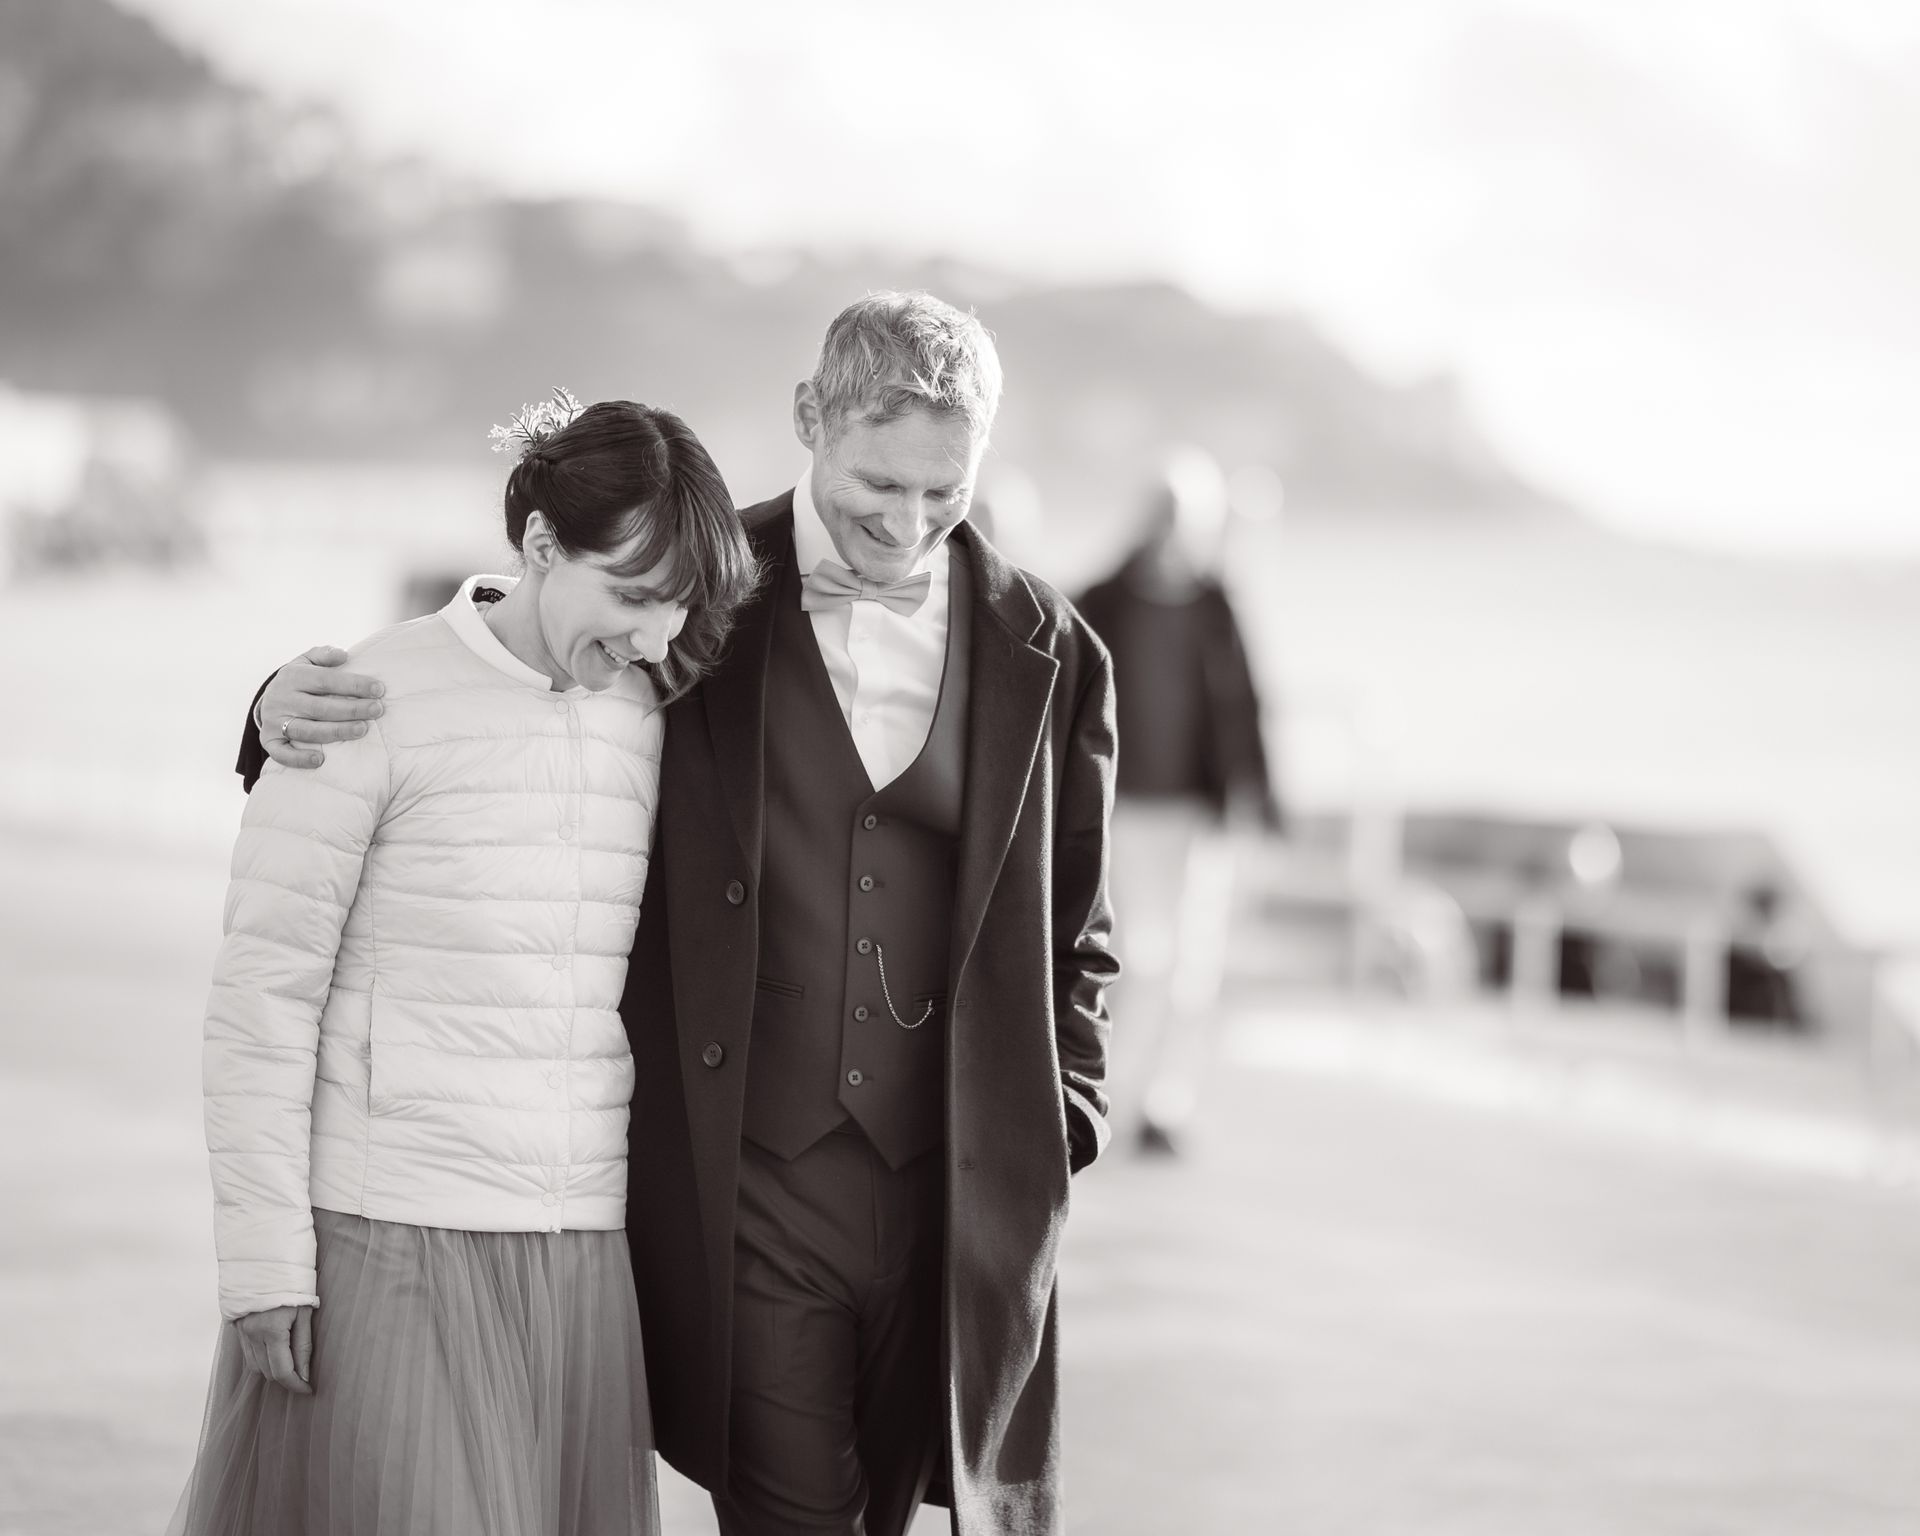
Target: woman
(416, 1076)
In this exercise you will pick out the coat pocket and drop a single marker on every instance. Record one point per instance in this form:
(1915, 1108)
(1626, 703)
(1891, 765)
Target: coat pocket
(778, 988)
(376, 1096)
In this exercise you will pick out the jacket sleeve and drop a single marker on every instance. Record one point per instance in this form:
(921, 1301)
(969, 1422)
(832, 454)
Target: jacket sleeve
(296, 867)
(1083, 961)
(1239, 745)
(253, 756)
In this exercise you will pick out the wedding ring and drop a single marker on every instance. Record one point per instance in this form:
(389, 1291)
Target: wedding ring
(286, 735)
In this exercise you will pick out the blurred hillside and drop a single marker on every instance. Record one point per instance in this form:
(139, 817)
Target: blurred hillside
(165, 233)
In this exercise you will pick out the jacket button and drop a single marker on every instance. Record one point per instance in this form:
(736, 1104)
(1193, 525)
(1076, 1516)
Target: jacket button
(554, 1079)
(866, 882)
(856, 1077)
(871, 821)
(559, 706)
(860, 1013)
(714, 1054)
(559, 962)
(549, 1198)
(736, 892)
(865, 946)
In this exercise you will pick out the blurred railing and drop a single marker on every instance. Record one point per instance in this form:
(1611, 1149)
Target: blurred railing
(1334, 900)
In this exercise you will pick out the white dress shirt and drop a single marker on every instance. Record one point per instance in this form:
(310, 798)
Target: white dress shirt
(885, 666)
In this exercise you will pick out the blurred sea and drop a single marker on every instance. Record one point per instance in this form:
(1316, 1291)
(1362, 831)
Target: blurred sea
(1448, 663)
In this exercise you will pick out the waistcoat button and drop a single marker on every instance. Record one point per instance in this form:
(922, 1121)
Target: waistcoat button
(736, 892)
(866, 882)
(865, 946)
(855, 1077)
(871, 822)
(714, 1054)
(860, 1013)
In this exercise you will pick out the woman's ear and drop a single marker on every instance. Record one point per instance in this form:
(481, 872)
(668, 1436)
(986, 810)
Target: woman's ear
(538, 547)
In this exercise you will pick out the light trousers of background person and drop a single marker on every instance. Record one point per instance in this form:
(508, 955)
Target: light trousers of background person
(1173, 866)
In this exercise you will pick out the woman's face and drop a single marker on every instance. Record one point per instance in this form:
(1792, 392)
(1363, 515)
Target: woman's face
(596, 624)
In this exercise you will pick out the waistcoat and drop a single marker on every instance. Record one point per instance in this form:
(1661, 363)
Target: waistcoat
(856, 907)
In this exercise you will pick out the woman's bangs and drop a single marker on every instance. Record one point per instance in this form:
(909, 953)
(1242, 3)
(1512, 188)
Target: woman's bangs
(652, 541)
(704, 547)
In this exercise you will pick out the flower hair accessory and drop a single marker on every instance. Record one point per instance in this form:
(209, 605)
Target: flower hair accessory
(535, 424)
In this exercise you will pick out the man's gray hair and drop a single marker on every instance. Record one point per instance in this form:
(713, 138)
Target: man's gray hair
(891, 353)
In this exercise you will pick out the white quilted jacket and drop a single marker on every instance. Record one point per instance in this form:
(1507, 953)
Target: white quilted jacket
(415, 1011)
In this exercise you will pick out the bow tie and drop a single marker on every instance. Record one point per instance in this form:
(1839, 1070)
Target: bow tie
(829, 585)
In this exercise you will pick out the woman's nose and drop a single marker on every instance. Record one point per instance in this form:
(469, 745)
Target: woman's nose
(653, 637)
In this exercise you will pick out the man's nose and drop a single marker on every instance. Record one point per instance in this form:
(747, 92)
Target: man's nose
(906, 518)
(652, 637)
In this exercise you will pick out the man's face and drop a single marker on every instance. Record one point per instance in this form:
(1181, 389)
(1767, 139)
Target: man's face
(1187, 533)
(889, 494)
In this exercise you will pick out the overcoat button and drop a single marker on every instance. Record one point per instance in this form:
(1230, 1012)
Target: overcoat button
(714, 1054)
(736, 892)
(865, 946)
(866, 882)
(860, 1013)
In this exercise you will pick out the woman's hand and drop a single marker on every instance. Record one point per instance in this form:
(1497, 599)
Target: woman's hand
(279, 1345)
(311, 700)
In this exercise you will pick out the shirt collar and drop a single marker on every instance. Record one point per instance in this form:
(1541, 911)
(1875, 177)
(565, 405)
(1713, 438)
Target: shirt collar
(463, 616)
(812, 543)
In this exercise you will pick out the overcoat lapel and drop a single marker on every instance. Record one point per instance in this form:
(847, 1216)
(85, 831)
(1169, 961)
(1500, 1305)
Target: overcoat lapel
(1012, 685)
(736, 693)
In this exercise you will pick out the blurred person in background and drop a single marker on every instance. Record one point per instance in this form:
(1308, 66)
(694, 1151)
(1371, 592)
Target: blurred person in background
(1193, 777)
(867, 996)
(416, 1078)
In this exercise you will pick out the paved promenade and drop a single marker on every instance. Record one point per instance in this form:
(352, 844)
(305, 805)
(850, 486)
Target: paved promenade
(1403, 1286)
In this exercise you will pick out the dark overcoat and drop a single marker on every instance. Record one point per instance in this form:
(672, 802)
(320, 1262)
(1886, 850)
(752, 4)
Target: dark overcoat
(1027, 1035)
(1233, 754)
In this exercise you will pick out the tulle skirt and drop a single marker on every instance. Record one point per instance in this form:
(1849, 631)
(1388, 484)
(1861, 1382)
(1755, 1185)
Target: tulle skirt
(465, 1384)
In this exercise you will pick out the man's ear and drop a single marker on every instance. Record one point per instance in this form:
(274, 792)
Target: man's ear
(809, 421)
(537, 544)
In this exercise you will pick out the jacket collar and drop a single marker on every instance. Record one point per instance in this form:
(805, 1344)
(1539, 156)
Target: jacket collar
(1012, 693)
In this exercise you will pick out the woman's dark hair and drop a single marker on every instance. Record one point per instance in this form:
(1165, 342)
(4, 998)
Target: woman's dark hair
(622, 470)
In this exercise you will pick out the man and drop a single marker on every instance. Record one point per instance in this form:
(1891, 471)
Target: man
(866, 996)
(1196, 759)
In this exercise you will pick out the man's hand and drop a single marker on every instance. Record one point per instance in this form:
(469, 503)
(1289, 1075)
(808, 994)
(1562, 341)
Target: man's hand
(279, 1345)
(309, 701)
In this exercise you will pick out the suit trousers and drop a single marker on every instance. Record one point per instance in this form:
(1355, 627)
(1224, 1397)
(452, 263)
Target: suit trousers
(837, 1402)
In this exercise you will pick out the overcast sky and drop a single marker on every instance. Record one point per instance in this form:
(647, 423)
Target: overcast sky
(1673, 250)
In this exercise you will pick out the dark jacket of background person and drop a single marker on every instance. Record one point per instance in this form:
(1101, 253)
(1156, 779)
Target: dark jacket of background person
(1230, 762)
